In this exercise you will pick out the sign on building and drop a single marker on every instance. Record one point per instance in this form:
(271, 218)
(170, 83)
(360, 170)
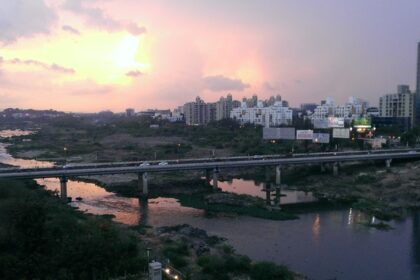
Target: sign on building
(321, 123)
(362, 123)
(284, 133)
(304, 134)
(323, 138)
(341, 133)
(335, 122)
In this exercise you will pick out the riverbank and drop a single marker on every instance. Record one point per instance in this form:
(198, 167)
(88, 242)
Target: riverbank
(42, 237)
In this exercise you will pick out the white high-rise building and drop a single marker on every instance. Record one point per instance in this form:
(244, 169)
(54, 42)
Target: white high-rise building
(354, 108)
(267, 116)
(399, 105)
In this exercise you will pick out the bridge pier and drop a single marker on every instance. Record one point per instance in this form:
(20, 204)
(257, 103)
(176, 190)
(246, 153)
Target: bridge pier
(278, 175)
(267, 189)
(215, 178)
(335, 168)
(63, 187)
(144, 211)
(143, 183)
(278, 195)
(322, 167)
(208, 176)
(388, 164)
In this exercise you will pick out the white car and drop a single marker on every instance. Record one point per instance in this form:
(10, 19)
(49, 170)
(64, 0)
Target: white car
(163, 163)
(145, 163)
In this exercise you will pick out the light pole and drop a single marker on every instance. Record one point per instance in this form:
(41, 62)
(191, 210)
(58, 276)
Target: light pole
(65, 154)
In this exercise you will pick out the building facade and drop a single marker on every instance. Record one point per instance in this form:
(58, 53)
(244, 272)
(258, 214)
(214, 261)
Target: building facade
(199, 112)
(223, 107)
(398, 105)
(354, 108)
(270, 116)
(417, 93)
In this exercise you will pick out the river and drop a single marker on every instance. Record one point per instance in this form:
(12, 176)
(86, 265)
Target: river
(329, 244)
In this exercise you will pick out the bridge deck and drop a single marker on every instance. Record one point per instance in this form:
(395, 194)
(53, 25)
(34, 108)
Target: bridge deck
(220, 163)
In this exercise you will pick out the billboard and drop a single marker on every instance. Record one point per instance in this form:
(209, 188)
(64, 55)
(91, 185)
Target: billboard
(320, 123)
(341, 133)
(335, 122)
(362, 123)
(304, 134)
(323, 138)
(284, 133)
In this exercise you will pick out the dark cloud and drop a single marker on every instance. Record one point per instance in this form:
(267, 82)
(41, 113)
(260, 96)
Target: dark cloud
(70, 29)
(134, 73)
(53, 67)
(222, 83)
(24, 19)
(97, 17)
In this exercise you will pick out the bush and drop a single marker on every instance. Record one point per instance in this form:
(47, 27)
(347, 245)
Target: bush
(42, 238)
(270, 271)
(365, 179)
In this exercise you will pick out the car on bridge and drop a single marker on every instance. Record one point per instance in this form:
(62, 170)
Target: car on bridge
(163, 163)
(143, 164)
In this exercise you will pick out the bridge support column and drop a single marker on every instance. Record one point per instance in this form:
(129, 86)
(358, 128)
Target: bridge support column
(388, 164)
(143, 184)
(278, 175)
(278, 194)
(335, 168)
(63, 187)
(215, 178)
(322, 167)
(267, 189)
(208, 176)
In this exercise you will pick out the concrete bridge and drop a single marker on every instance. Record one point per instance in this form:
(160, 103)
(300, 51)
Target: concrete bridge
(210, 165)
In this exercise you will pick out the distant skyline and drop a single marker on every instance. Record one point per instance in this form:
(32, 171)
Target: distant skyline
(92, 55)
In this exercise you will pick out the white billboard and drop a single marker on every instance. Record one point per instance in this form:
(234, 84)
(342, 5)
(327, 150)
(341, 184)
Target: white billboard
(335, 122)
(284, 133)
(341, 133)
(323, 138)
(304, 134)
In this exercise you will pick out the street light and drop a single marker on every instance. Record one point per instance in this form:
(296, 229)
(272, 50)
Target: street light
(65, 154)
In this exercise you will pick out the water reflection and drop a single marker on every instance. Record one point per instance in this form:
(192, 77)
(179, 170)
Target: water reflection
(316, 227)
(266, 191)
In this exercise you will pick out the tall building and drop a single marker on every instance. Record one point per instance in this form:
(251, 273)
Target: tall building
(223, 107)
(129, 112)
(398, 105)
(199, 112)
(417, 93)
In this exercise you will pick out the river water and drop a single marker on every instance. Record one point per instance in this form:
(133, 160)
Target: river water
(329, 244)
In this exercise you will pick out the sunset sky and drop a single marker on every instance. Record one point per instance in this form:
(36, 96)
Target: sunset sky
(91, 55)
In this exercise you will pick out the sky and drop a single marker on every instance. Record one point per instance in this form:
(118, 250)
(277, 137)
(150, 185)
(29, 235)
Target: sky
(93, 55)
